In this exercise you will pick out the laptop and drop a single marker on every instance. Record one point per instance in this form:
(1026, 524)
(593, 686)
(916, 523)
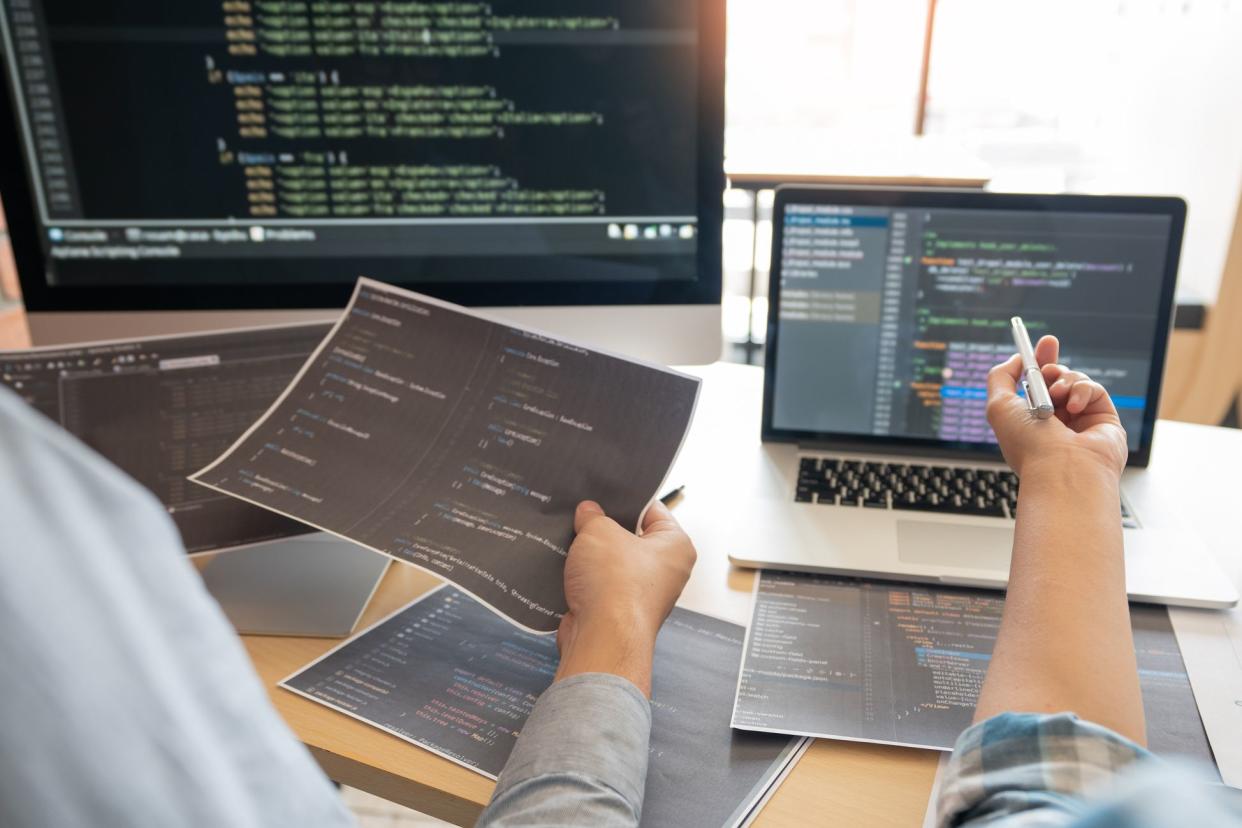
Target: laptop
(886, 310)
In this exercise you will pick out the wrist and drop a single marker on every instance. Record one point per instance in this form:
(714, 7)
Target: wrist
(614, 644)
(1079, 478)
(1071, 467)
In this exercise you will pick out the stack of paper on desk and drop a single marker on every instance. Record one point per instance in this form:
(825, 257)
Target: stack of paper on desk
(451, 677)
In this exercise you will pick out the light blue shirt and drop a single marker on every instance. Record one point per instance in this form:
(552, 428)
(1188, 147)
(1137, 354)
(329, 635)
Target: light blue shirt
(127, 698)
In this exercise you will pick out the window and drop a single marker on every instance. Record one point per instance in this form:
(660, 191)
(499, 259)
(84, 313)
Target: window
(1122, 96)
(1129, 96)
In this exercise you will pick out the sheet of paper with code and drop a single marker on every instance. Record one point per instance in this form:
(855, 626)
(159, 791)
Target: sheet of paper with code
(449, 676)
(461, 445)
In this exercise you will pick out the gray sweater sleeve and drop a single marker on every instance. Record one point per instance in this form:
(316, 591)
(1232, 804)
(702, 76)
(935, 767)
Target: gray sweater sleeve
(581, 758)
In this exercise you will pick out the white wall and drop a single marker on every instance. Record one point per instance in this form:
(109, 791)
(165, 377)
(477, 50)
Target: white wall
(1136, 96)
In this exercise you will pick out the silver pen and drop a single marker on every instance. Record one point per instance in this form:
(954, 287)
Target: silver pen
(1038, 399)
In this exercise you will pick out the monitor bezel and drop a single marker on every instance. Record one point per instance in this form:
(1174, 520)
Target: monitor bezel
(1171, 206)
(705, 289)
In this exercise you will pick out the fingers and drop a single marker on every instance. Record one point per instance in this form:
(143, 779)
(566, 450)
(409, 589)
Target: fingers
(658, 518)
(1075, 392)
(1052, 372)
(1085, 395)
(587, 511)
(1047, 350)
(1066, 379)
(1079, 395)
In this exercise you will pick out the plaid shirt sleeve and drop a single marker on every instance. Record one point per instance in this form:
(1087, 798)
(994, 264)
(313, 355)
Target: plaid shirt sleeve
(1024, 770)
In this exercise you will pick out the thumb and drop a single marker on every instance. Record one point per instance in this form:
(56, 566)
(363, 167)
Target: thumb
(587, 511)
(1004, 407)
(658, 519)
(1003, 382)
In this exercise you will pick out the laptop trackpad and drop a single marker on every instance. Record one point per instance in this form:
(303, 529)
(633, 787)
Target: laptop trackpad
(956, 545)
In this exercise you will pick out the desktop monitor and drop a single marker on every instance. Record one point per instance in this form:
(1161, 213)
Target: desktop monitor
(170, 167)
(161, 408)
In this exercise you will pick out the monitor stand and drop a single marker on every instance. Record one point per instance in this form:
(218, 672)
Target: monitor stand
(314, 585)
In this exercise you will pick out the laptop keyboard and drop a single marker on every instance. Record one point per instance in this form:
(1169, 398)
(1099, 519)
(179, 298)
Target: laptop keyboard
(913, 487)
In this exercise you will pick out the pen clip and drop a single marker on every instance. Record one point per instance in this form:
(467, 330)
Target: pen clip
(1026, 392)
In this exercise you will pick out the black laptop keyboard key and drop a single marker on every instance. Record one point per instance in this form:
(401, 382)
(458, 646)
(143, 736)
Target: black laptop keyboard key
(918, 505)
(979, 506)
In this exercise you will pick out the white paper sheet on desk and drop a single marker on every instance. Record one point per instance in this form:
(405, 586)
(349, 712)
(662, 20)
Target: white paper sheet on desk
(1211, 644)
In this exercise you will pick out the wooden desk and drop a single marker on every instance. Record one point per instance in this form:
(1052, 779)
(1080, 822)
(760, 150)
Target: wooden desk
(845, 783)
(858, 784)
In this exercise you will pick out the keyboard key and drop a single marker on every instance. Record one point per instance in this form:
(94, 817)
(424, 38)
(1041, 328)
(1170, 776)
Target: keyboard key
(985, 508)
(916, 506)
